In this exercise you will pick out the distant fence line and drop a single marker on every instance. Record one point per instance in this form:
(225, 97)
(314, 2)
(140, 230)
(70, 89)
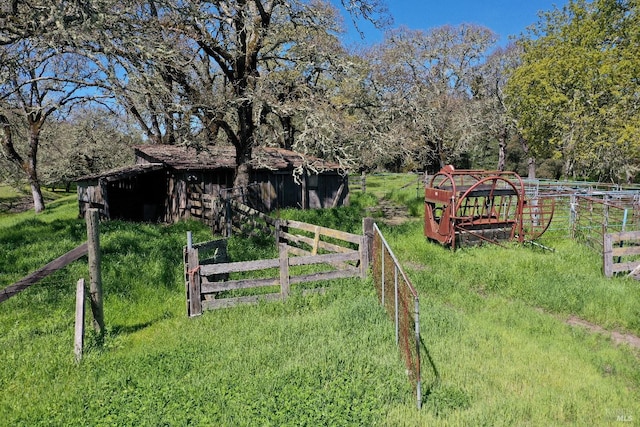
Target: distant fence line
(587, 215)
(586, 210)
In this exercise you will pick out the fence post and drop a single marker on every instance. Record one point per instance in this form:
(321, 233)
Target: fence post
(607, 254)
(185, 263)
(228, 218)
(397, 314)
(95, 277)
(193, 282)
(284, 270)
(366, 247)
(382, 277)
(605, 209)
(416, 319)
(573, 215)
(79, 329)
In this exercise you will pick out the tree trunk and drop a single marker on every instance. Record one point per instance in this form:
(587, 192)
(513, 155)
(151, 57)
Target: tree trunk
(288, 131)
(502, 148)
(28, 165)
(244, 144)
(243, 170)
(241, 180)
(34, 183)
(442, 157)
(531, 161)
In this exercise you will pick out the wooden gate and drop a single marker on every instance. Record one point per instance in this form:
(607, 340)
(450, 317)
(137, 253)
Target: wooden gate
(333, 254)
(622, 253)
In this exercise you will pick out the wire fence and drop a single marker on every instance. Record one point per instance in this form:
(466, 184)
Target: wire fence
(587, 210)
(400, 299)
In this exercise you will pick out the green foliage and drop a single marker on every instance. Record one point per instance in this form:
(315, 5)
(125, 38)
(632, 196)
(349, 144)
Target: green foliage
(575, 94)
(89, 142)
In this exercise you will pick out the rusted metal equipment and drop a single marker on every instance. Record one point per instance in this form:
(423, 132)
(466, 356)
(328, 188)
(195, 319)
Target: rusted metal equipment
(464, 207)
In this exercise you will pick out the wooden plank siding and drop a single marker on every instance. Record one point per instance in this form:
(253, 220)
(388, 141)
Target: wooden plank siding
(167, 181)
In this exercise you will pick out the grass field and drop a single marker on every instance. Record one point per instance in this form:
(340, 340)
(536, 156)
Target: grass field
(498, 348)
(14, 199)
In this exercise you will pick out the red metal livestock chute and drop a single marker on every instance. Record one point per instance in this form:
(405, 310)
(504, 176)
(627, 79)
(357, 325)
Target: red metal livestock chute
(471, 206)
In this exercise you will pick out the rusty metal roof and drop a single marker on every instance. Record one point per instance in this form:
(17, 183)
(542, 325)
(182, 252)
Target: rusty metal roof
(223, 157)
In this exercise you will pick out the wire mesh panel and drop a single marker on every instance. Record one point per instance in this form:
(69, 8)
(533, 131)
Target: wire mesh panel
(400, 299)
(596, 216)
(583, 209)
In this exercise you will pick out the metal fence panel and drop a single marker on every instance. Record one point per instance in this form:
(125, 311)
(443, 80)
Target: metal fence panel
(400, 299)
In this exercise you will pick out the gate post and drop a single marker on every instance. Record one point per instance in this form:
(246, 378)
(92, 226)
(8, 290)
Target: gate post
(284, 270)
(366, 247)
(194, 306)
(607, 253)
(95, 272)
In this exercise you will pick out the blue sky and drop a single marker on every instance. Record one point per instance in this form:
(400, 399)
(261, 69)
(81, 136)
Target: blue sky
(504, 17)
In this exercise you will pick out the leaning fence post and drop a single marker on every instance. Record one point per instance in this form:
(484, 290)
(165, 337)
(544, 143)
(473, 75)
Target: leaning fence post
(95, 276)
(79, 329)
(382, 277)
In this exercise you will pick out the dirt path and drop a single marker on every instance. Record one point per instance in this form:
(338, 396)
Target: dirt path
(617, 337)
(392, 214)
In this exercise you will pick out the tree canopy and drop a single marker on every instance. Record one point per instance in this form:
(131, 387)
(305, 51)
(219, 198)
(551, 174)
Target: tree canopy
(576, 92)
(247, 73)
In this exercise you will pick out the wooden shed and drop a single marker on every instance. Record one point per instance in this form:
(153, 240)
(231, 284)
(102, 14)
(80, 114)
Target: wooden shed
(169, 183)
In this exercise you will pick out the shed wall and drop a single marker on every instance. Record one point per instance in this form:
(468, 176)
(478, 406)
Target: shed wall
(92, 194)
(170, 195)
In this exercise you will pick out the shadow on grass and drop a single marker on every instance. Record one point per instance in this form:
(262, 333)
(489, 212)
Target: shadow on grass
(428, 389)
(118, 330)
(98, 341)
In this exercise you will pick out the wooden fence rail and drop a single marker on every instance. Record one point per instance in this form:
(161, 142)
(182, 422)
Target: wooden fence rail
(347, 255)
(622, 253)
(55, 265)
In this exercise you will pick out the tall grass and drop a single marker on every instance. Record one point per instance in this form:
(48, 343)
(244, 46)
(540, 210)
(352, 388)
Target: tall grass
(497, 348)
(323, 359)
